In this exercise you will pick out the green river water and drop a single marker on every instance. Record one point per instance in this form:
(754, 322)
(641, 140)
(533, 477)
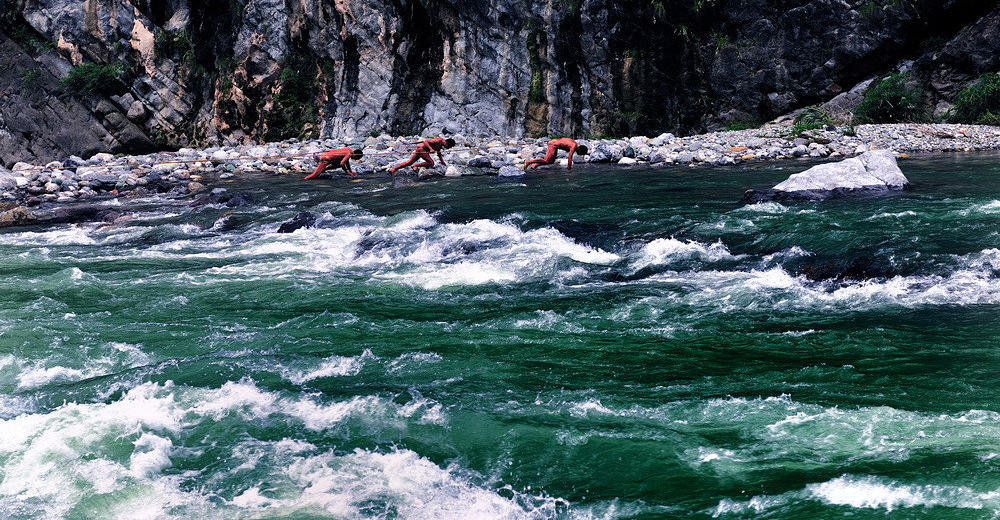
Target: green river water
(605, 343)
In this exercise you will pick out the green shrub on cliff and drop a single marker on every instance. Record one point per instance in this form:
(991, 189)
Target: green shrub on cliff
(89, 78)
(811, 118)
(294, 113)
(979, 102)
(31, 78)
(891, 100)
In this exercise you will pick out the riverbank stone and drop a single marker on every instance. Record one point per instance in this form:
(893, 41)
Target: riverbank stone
(871, 173)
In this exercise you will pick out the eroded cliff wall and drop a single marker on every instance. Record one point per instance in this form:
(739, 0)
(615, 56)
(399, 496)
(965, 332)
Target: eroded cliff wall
(206, 72)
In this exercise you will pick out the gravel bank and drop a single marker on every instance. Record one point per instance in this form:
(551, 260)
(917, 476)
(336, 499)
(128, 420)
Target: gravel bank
(192, 170)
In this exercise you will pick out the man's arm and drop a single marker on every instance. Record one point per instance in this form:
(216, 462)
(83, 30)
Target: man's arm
(345, 163)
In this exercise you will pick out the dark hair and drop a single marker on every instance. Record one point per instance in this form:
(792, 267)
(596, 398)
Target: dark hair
(449, 142)
(582, 149)
(358, 152)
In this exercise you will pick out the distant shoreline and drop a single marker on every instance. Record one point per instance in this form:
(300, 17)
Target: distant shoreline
(191, 170)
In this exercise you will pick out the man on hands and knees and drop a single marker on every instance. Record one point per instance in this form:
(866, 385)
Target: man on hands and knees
(555, 145)
(423, 151)
(339, 157)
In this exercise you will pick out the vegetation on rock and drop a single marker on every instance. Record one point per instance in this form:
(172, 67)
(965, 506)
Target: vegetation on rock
(93, 78)
(811, 118)
(980, 102)
(891, 100)
(294, 111)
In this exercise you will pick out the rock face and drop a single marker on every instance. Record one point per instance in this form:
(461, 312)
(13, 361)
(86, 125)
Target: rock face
(870, 173)
(209, 73)
(38, 125)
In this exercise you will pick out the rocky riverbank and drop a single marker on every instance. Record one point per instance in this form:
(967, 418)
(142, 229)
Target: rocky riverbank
(188, 171)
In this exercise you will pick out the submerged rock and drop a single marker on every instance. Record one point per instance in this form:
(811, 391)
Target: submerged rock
(302, 220)
(510, 171)
(68, 214)
(222, 196)
(849, 269)
(871, 173)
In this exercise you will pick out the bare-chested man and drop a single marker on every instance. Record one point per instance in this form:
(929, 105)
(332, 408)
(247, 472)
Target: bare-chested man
(555, 145)
(423, 151)
(339, 157)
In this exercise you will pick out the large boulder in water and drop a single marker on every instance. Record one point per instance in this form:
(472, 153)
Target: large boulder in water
(871, 173)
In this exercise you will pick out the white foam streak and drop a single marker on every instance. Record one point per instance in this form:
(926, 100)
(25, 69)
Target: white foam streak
(482, 252)
(973, 282)
(51, 371)
(61, 236)
(988, 208)
(867, 492)
(33, 378)
(249, 402)
(550, 321)
(876, 493)
(333, 366)
(151, 455)
(44, 454)
(127, 447)
(664, 251)
(409, 249)
(400, 481)
(435, 277)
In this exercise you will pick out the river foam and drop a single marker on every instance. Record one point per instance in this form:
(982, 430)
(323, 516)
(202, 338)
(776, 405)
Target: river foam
(128, 452)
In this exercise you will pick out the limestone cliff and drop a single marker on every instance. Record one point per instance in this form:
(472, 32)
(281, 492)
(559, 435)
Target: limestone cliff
(207, 72)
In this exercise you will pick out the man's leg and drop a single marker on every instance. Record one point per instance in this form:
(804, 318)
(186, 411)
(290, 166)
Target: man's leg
(323, 165)
(413, 158)
(428, 161)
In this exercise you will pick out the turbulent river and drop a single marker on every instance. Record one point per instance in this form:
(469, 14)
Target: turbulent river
(598, 344)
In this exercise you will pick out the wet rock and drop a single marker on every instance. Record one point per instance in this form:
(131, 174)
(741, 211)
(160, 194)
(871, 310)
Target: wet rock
(660, 155)
(685, 157)
(605, 152)
(849, 269)
(14, 215)
(480, 162)
(10, 181)
(75, 213)
(510, 171)
(872, 173)
(222, 196)
(399, 182)
(430, 173)
(239, 199)
(463, 171)
(299, 221)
